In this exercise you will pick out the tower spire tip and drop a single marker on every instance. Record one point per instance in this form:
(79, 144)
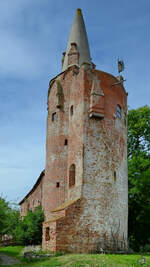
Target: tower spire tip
(79, 11)
(78, 48)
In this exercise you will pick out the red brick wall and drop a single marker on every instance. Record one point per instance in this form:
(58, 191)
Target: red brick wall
(59, 157)
(105, 152)
(97, 146)
(32, 201)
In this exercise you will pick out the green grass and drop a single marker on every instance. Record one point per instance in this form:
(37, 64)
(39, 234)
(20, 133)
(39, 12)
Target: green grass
(12, 251)
(79, 260)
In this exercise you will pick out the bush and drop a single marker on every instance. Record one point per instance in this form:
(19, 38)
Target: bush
(29, 230)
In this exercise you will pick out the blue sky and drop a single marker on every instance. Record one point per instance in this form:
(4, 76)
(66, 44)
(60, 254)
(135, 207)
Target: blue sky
(33, 35)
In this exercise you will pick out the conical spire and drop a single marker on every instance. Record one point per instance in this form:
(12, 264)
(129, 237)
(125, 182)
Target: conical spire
(78, 38)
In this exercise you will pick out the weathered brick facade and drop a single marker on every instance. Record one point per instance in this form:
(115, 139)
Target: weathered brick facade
(85, 190)
(34, 197)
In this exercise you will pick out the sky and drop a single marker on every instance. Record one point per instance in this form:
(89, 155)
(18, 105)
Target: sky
(33, 36)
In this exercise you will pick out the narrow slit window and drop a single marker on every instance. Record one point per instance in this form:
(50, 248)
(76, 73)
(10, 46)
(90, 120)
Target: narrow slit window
(115, 176)
(54, 116)
(57, 184)
(28, 206)
(47, 235)
(118, 111)
(71, 110)
(72, 175)
(125, 118)
(66, 142)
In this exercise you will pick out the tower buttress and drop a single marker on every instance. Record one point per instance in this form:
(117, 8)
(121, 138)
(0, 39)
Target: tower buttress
(96, 99)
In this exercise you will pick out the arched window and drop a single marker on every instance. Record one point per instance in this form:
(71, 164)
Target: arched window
(72, 175)
(118, 111)
(54, 116)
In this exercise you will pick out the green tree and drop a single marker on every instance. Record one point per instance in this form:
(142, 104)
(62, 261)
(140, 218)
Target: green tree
(139, 131)
(3, 214)
(9, 218)
(139, 176)
(29, 230)
(11, 221)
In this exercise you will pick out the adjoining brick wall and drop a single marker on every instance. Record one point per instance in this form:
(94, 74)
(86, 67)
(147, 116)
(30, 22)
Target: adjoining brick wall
(33, 199)
(51, 243)
(73, 234)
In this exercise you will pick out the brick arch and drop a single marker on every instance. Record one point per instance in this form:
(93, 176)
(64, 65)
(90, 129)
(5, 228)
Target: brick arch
(72, 174)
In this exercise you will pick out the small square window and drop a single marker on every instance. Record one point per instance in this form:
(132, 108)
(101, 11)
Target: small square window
(118, 111)
(54, 116)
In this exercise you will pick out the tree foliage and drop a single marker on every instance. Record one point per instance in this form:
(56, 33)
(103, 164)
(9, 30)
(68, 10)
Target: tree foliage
(139, 131)
(9, 218)
(139, 176)
(3, 214)
(29, 229)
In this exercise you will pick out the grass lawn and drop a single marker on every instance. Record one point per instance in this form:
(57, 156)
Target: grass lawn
(79, 260)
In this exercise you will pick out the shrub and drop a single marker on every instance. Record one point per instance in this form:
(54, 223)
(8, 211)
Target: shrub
(29, 230)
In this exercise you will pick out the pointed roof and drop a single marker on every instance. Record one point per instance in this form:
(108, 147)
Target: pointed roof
(78, 35)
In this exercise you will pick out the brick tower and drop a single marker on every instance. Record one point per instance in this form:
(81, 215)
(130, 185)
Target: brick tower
(85, 189)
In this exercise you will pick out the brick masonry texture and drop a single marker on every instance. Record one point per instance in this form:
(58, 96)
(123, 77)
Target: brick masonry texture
(34, 197)
(92, 214)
